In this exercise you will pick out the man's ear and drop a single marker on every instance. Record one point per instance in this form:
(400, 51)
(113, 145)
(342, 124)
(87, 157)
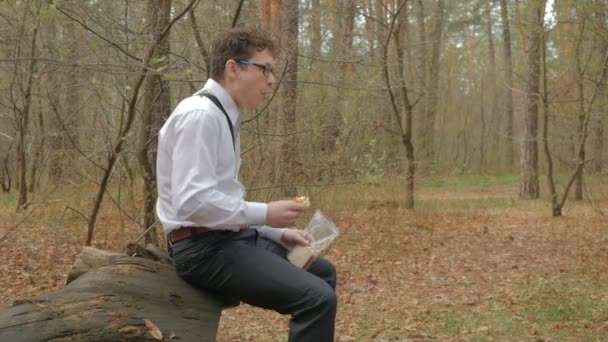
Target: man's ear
(230, 68)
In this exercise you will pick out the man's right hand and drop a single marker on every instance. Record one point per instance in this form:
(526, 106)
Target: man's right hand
(283, 213)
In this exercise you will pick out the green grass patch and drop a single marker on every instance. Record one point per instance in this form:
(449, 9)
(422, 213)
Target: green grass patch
(8, 198)
(572, 307)
(465, 205)
(471, 181)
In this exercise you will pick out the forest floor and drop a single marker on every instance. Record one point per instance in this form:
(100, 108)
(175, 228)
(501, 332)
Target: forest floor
(471, 264)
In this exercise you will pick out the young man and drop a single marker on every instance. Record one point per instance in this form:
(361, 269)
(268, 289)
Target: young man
(219, 241)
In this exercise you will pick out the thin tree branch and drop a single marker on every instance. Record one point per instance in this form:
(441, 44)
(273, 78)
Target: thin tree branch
(237, 15)
(64, 11)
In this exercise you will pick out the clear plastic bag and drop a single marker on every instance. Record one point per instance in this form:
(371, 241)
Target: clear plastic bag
(323, 231)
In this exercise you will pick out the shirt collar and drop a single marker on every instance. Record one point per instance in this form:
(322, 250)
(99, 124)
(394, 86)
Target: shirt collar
(225, 99)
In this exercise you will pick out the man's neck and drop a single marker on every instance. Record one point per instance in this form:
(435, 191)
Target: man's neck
(231, 91)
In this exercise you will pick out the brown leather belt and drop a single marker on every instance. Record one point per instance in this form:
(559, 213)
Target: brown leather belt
(185, 233)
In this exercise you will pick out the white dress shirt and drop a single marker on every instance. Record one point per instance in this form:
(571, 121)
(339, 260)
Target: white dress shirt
(197, 168)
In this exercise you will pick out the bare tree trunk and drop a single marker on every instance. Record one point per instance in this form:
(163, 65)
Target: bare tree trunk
(289, 95)
(555, 208)
(342, 26)
(482, 120)
(265, 14)
(199, 41)
(315, 25)
(490, 78)
(157, 106)
(598, 147)
(369, 28)
(580, 78)
(22, 114)
(422, 54)
(488, 14)
(557, 205)
(405, 114)
(520, 29)
(72, 103)
(421, 73)
(508, 93)
(275, 19)
(529, 187)
(128, 122)
(433, 86)
(38, 151)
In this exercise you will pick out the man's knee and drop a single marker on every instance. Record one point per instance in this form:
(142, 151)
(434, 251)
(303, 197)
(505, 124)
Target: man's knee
(325, 270)
(325, 298)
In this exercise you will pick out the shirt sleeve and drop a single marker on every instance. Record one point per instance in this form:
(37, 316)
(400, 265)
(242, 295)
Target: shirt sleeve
(194, 183)
(272, 234)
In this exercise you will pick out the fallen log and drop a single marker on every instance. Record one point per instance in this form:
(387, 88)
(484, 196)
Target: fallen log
(116, 297)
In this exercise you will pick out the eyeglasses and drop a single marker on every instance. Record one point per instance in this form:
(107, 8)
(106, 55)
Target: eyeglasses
(265, 68)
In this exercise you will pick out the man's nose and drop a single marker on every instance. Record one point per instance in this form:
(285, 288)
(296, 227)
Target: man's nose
(271, 80)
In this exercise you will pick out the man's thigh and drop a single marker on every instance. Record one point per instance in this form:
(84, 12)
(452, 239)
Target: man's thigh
(262, 278)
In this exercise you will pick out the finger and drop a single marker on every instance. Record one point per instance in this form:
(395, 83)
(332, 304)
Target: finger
(295, 206)
(309, 237)
(303, 240)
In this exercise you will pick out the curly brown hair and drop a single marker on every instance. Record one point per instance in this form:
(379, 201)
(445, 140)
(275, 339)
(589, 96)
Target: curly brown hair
(237, 43)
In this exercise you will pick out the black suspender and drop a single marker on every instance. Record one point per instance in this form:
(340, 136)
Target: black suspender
(219, 105)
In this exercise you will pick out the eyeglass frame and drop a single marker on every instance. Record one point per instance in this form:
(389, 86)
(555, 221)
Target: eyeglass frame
(266, 70)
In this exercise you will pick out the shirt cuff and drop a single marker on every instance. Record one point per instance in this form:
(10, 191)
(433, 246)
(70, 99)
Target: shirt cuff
(256, 212)
(270, 233)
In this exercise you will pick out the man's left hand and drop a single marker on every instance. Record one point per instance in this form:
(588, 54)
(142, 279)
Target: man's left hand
(295, 237)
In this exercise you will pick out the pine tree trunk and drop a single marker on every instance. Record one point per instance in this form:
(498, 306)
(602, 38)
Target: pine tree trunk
(433, 86)
(289, 95)
(529, 168)
(508, 92)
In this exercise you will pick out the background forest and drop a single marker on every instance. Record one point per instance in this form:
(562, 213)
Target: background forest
(397, 110)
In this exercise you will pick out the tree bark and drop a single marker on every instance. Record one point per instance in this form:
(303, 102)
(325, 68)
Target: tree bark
(157, 106)
(432, 91)
(265, 14)
(598, 146)
(110, 300)
(289, 95)
(404, 112)
(508, 92)
(22, 114)
(368, 9)
(529, 186)
(580, 87)
(421, 72)
(315, 25)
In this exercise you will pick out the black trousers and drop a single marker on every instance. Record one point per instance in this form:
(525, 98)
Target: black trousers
(256, 271)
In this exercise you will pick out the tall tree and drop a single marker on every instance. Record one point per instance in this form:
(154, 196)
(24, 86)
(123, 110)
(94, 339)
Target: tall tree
(508, 90)
(488, 83)
(580, 86)
(529, 168)
(22, 86)
(157, 106)
(342, 14)
(315, 26)
(402, 108)
(602, 37)
(289, 95)
(265, 14)
(432, 91)
(601, 10)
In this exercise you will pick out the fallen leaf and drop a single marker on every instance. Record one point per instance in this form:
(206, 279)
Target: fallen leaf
(128, 328)
(154, 330)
